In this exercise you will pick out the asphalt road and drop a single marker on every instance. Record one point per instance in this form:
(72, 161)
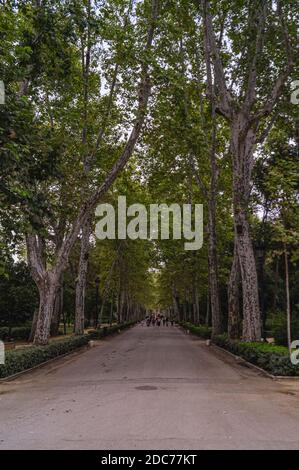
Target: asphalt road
(148, 388)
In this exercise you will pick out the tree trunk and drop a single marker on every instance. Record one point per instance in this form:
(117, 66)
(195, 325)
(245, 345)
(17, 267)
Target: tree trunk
(276, 279)
(197, 305)
(242, 149)
(251, 311)
(207, 320)
(111, 310)
(217, 324)
(47, 292)
(288, 298)
(81, 279)
(176, 305)
(234, 299)
(33, 325)
(57, 311)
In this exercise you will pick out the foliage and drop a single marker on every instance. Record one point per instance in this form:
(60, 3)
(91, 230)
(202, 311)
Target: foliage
(15, 333)
(277, 324)
(274, 359)
(17, 361)
(108, 330)
(42, 150)
(202, 331)
(18, 295)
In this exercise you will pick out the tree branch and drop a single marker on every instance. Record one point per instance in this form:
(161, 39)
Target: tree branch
(226, 100)
(199, 180)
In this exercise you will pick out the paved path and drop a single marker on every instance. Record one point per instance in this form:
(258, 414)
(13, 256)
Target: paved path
(148, 388)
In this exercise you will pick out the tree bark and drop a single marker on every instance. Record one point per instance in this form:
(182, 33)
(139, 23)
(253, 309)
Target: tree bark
(242, 148)
(286, 261)
(57, 310)
(33, 325)
(81, 279)
(47, 291)
(197, 305)
(207, 319)
(217, 324)
(234, 299)
(176, 304)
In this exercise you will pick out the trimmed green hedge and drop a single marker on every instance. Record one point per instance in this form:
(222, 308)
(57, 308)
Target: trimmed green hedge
(22, 359)
(202, 331)
(16, 332)
(274, 359)
(108, 330)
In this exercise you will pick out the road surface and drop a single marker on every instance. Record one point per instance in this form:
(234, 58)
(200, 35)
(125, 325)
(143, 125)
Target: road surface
(148, 388)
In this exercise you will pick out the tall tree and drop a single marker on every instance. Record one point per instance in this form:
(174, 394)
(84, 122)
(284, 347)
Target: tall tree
(247, 119)
(47, 279)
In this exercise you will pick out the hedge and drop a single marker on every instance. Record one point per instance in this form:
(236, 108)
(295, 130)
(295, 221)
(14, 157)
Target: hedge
(274, 359)
(23, 359)
(16, 332)
(202, 331)
(108, 330)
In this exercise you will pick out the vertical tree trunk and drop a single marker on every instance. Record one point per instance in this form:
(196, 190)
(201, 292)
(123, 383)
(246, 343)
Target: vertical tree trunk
(33, 325)
(194, 305)
(57, 311)
(251, 311)
(176, 305)
(47, 291)
(289, 335)
(118, 306)
(81, 280)
(217, 324)
(207, 320)
(234, 299)
(111, 310)
(197, 305)
(242, 152)
(276, 278)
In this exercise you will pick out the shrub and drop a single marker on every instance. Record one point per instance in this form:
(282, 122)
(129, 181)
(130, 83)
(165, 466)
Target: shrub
(4, 331)
(22, 359)
(274, 359)
(16, 333)
(202, 331)
(105, 331)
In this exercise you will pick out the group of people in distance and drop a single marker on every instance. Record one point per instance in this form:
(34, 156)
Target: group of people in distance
(158, 320)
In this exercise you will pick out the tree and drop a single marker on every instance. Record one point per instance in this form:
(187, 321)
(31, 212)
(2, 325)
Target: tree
(248, 128)
(48, 260)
